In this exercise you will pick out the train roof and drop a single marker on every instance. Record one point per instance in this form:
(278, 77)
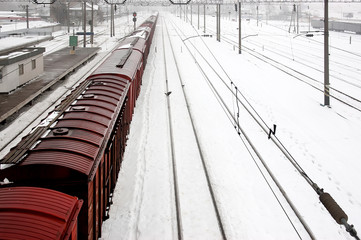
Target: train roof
(75, 140)
(141, 32)
(123, 63)
(37, 213)
(137, 43)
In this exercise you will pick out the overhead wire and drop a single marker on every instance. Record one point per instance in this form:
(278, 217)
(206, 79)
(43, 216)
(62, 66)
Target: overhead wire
(225, 107)
(267, 128)
(329, 200)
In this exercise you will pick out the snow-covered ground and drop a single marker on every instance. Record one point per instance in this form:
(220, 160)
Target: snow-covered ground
(324, 141)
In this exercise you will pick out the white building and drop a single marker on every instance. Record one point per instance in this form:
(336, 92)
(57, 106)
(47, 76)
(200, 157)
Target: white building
(19, 67)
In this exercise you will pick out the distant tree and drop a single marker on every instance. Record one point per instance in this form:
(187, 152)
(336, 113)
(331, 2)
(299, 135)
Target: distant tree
(100, 15)
(58, 11)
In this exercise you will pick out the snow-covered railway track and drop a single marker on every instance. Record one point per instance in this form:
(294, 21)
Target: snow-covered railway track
(337, 94)
(194, 195)
(246, 127)
(207, 68)
(311, 55)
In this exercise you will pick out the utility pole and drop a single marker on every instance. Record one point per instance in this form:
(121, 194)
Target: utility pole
(68, 17)
(191, 15)
(293, 16)
(84, 23)
(198, 16)
(204, 18)
(92, 25)
(186, 13)
(257, 15)
(309, 19)
(267, 12)
(27, 16)
(217, 27)
(111, 20)
(218, 22)
(326, 59)
(239, 27)
(298, 19)
(120, 15)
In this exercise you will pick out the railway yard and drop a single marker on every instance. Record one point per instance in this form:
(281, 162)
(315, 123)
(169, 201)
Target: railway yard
(220, 145)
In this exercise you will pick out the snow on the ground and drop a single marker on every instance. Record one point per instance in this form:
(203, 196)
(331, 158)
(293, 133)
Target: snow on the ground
(325, 142)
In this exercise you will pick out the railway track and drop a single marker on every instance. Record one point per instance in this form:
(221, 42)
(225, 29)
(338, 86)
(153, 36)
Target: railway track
(312, 61)
(337, 94)
(353, 54)
(206, 65)
(187, 170)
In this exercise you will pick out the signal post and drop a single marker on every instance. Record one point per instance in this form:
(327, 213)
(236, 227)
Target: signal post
(135, 20)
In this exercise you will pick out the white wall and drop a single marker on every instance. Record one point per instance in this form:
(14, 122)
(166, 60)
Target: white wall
(11, 78)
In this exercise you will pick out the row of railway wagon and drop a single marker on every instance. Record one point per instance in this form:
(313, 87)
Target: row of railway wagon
(338, 26)
(59, 179)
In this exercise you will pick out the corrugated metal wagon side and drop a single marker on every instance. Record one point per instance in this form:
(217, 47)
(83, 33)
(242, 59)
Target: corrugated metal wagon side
(38, 213)
(70, 156)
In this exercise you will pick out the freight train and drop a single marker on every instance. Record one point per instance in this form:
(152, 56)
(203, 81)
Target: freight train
(338, 26)
(77, 150)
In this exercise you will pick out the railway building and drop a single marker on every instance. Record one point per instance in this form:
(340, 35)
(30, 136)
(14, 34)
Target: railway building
(19, 67)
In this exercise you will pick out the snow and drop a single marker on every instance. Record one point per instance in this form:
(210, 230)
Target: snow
(324, 141)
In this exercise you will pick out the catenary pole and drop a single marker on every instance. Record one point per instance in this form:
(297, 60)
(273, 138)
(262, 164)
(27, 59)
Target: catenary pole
(257, 15)
(84, 24)
(198, 16)
(111, 20)
(92, 25)
(191, 15)
(326, 59)
(27, 16)
(68, 16)
(218, 22)
(298, 19)
(114, 20)
(239, 27)
(204, 12)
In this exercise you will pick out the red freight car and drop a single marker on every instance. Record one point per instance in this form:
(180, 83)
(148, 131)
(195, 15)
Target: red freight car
(138, 44)
(79, 147)
(128, 65)
(38, 214)
(73, 155)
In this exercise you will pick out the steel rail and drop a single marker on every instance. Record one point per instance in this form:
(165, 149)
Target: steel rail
(205, 168)
(171, 136)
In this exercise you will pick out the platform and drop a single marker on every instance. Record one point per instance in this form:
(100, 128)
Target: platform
(4, 49)
(56, 66)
